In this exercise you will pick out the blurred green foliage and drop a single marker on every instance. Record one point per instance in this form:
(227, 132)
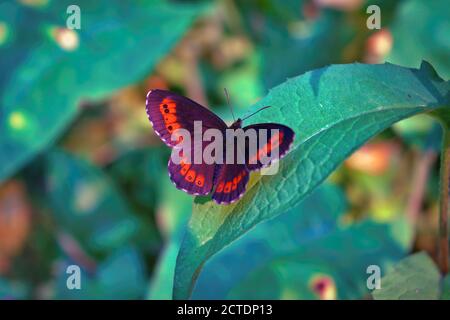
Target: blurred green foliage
(415, 277)
(123, 269)
(48, 70)
(420, 31)
(84, 181)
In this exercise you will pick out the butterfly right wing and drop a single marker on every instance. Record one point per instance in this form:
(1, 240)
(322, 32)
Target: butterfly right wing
(279, 139)
(168, 111)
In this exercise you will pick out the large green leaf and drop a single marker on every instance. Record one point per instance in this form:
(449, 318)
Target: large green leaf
(415, 277)
(333, 111)
(311, 239)
(315, 217)
(41, 83)
(420, 31)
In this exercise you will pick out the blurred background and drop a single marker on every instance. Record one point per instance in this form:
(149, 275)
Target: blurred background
(83, 177)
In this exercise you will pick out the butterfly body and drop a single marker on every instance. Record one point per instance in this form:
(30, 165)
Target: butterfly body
(226, 180)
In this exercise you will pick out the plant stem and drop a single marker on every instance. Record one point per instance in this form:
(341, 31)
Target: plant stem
(444, 195)
(421, 172)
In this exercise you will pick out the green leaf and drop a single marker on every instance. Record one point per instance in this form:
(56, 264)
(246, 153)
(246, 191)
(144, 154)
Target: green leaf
(414, 278)
(342, 256)
(420, 31)
(293, 249)
(312, 219)
(87, 205)
(333, 111)
(42, 83)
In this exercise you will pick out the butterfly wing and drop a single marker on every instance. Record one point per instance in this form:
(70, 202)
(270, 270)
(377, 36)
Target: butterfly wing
(277, 141)
(231, 182)
(195, 179)
(168, 111)
(230, 179)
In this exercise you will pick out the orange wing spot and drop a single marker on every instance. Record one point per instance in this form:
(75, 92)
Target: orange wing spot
(200, 180)
(184, 168)
(170, 118)
(167, 106)
(190, 176)
(172, 127)
(220, 187)
(227, 187)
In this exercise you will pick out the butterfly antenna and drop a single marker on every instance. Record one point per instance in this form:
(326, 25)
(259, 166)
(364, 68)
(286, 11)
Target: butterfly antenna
(229, 104)
(256, 112)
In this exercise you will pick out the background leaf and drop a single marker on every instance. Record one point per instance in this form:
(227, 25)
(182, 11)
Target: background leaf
(96, 214)
(414, 278)
(110, 281)
(419, 32)
(112, 47)
(342, 258)
(173, 213)
(333, 111)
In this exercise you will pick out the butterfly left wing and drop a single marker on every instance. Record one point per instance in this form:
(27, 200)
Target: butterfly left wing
(168, 111)
(275, 144)
(195, 179)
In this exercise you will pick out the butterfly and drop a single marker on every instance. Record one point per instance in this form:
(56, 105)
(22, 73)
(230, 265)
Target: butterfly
(168, 112)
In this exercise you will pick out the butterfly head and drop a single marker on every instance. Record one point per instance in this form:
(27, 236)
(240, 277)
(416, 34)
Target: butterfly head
(237, 124)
